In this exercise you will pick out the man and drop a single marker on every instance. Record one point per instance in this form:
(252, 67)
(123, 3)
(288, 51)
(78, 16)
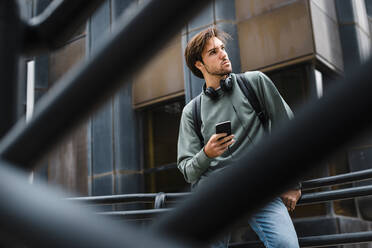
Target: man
(206, 57)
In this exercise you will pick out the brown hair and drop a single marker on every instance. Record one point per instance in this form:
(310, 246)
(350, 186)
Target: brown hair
(196, 45)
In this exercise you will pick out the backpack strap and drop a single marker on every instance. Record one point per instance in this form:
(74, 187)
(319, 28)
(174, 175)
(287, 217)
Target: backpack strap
(196, 115)
(249, 93)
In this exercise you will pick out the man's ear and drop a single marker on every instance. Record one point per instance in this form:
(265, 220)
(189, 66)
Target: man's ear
(199, 65)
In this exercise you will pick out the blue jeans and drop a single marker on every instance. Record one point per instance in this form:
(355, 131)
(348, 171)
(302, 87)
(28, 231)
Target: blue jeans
(273, 226)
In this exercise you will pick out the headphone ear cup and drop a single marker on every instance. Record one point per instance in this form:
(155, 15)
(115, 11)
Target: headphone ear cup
(211, 93)
(226, 85)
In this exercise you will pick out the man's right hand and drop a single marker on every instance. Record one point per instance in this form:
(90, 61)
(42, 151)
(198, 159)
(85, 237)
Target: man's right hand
(215, 147)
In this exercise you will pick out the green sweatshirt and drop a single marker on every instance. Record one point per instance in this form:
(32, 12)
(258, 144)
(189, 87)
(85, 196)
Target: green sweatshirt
(230, 106)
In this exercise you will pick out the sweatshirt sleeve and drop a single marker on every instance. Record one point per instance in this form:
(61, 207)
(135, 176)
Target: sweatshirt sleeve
(191, 159)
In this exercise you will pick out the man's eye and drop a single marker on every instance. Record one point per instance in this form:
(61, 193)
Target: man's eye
(213, 52)
(223, 48)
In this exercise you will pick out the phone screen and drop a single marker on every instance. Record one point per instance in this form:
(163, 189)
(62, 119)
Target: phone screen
(224, 127)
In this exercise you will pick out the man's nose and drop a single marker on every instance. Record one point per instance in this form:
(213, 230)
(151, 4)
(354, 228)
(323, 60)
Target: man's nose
(224, 54)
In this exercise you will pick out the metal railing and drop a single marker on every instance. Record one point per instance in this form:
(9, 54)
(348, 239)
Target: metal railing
(30, 214)
(320, 241)
(160, 201)
(306, 198)
(338, 179)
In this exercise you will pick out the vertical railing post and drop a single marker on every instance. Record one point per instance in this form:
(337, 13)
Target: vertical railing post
(10, 44)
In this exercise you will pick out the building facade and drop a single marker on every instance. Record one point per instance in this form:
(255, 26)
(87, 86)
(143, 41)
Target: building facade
(130, 144)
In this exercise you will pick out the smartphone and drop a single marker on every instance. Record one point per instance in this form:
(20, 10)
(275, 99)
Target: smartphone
(224, 127)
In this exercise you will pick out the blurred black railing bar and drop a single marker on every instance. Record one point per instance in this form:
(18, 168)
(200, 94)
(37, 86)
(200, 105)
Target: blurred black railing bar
(310, 241)
(10, 43)
(83, 89)
(136, 214)
(307, 198)
(39, 217)
(338, 179)
(161, 198)
(306, 185)
(275, 163)
(112, 199)
(339, 194)
(336, 239)
(56, 25)
(318, 241)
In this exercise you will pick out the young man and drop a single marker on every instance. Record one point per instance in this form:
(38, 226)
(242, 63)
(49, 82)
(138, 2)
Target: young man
(223, 100)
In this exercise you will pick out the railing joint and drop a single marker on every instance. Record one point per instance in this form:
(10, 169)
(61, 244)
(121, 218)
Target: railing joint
(160, 200)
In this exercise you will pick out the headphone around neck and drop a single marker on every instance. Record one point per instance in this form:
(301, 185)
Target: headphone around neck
(225, 84)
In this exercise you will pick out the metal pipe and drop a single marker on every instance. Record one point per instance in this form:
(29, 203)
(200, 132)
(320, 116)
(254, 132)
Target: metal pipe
(307, 198)
(136, 214)
(332, 195)
(39, 217)
(56, 25)
(311, 198)
(112, 199)
(128, 198)
(247, 244)
(338, 179)
(276, 162)
(336, 239)
(83, 89)
(10, 41)
(318, 241)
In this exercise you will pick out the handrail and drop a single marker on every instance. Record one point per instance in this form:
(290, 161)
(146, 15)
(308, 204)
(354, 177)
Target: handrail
(317, 241)
(112, 199)
(338, 179)
(333, 239)
(136, 214)
(307, 198)
(340, 194)
(128, 198)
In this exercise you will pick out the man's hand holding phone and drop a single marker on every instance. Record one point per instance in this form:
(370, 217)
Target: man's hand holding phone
(219, 142)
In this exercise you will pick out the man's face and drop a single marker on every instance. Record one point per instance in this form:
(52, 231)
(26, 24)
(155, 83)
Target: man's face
(215, 59)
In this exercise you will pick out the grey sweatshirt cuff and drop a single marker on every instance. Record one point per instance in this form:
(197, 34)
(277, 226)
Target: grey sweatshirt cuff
(202, 159)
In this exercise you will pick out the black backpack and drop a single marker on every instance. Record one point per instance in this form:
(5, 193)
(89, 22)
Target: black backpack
(246, 87)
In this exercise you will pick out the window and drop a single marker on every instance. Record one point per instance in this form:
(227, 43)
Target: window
(292, 83)
(160, 136)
